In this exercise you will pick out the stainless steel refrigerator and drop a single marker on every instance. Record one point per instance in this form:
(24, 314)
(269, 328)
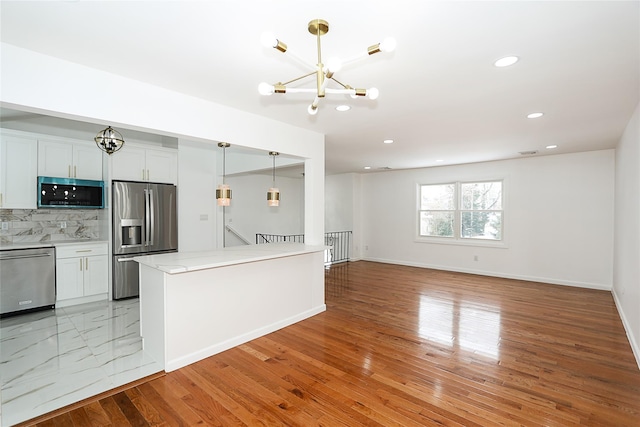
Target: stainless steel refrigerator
(144, 223)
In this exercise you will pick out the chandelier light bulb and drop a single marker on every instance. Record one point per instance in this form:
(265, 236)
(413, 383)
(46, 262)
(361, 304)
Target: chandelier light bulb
(268, 39)
(265, 88)
(388, 44)
(311, 110)
(373, 93)
(334, 65)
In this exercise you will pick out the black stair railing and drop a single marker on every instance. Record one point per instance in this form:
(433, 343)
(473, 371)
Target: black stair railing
(279, 238)
(339, 243)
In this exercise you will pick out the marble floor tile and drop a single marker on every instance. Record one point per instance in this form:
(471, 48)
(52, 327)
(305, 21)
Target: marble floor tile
(52, 358)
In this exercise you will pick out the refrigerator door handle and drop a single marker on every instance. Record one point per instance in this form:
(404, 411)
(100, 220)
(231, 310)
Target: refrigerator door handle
(152, 217)
(147, 225)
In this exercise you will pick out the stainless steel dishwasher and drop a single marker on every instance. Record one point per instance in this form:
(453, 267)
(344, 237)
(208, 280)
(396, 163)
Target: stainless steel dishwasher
(27, 279)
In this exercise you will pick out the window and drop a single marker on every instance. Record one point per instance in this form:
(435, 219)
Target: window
(461, 210)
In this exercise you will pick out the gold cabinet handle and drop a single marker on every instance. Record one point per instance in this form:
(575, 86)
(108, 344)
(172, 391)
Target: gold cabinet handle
(75, 172)
(80, 264)
(86, 264)
(0, 199)
(69, 171)
(143, 174)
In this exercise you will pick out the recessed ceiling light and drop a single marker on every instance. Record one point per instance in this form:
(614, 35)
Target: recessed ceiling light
(388, 141)
(343, 108)
(534, 115)
(506, 61)
(367, 167)
(439, 160)
(551, 146)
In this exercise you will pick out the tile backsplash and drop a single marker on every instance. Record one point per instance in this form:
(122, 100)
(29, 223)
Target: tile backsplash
(52, 225)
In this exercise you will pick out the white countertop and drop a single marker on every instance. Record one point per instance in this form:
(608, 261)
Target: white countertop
(182, 262)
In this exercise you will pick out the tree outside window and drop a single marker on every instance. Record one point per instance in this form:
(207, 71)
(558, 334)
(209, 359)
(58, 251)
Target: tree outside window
(481, 210)
(437, 210)
(469, 210)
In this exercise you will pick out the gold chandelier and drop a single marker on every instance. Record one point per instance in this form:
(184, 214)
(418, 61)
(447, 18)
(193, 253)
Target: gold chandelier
(320, 27)
(109, 140)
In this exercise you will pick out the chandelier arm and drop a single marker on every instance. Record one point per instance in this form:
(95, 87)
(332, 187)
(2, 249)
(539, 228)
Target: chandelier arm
(341, 91)
(354, 58)
(298, 78)
(299, 59)
(301, 90)
(315, 102)
(340, 83)
(345, 91)
(321, 82)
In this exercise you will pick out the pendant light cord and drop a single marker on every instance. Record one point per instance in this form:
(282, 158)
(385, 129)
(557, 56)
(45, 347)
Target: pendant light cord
(274, 170)
(224, 163)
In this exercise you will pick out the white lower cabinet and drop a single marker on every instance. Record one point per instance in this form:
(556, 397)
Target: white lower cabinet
(82, 273)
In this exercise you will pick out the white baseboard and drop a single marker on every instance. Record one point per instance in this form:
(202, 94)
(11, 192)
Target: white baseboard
(627, 327)
(598, 286)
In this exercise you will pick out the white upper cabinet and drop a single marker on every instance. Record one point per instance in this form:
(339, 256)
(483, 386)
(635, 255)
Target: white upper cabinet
(18, 171)
(69, 159)
(133, 163)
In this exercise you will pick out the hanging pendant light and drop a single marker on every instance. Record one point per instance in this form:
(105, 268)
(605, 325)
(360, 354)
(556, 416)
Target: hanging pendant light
(109, 140)
(223, 192)
(273, 195)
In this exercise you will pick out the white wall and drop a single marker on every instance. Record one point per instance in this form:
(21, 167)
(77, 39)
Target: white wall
(338, 202)
(197, 220)
(342, 201)
(43, 84)
(249, 213)
(626, 275)
(558, 219)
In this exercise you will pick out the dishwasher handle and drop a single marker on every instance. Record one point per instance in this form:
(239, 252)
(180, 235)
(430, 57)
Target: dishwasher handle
(8, 257)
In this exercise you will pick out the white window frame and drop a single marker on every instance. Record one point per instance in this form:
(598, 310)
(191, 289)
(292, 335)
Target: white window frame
(457, 239)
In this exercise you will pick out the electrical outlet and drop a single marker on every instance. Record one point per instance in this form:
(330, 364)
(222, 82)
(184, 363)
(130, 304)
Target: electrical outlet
(475, 257)
(63, 224)
(5, 225)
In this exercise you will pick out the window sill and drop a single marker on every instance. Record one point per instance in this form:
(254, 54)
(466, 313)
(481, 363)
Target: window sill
(499, 244)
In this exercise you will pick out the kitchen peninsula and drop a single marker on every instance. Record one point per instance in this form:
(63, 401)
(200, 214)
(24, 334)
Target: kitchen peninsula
(196, 304)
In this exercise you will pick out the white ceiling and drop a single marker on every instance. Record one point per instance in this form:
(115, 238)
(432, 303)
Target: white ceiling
(441, 98)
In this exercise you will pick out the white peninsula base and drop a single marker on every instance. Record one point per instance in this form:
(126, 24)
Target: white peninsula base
(196, 304)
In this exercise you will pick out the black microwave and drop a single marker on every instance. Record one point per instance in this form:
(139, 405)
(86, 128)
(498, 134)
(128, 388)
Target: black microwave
(70, 193)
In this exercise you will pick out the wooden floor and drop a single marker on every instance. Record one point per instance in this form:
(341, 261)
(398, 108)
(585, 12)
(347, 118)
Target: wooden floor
(404, 346)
